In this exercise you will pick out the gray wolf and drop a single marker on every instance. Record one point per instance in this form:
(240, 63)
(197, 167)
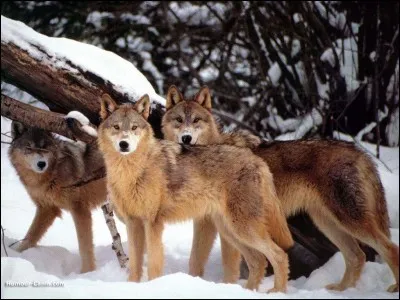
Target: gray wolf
(151, 182)
(48, 168)
(333, 181)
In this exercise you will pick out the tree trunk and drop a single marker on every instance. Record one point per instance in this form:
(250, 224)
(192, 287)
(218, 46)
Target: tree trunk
(61, 89)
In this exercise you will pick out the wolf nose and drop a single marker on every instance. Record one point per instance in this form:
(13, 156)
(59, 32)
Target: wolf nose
(41, 165)
(123, 145)
(186, 139)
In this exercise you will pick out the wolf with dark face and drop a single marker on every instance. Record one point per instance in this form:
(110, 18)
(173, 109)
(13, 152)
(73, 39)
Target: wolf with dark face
(48, 168)
(333, 181)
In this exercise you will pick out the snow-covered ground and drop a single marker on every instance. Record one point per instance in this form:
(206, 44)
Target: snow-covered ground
(56, 259)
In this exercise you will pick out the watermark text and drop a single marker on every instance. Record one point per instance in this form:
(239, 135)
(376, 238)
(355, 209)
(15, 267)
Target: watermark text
(12, 283)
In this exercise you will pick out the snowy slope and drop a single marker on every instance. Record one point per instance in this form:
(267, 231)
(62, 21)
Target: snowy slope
(56, 259)
(120, 72)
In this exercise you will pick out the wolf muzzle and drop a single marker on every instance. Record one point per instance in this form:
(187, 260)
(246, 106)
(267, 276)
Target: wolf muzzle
(124, 146)
(186, 139)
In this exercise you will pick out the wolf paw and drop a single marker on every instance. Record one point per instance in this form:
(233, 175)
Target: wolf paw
(86, 269)
(134, 278)
(335, 287)
(276, 290)
(393, 288)
(24, 246)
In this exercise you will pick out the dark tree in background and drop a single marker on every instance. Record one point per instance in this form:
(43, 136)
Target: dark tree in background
(309, 68)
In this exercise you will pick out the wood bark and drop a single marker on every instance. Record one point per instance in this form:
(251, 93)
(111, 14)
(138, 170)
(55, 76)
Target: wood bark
(116, 244)
(62, 89)
(36, 117)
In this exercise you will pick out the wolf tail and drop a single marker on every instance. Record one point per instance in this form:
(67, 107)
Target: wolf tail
(382, 213)
(280, 232)
(374, 193)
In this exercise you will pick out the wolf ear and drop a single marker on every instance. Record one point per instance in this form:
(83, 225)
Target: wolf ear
(203, 97)
(108, 106)
(17, 129)
(174, 96)
(142, 106)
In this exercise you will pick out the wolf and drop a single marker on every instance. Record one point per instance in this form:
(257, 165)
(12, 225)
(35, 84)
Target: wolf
(333, 181)
(151, 182)
(49, 167)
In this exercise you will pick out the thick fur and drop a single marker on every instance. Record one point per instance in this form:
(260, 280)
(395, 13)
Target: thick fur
(152, 182)
(52, 191)
(333, 181)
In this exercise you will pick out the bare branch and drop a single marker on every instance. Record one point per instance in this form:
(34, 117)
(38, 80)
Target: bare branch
(36, 117)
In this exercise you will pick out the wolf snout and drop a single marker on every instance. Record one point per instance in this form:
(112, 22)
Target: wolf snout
(186, 139)
(41, 165)
(124, 145)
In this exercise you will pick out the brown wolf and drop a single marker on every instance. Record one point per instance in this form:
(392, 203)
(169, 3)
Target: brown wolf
(333, 181)
(151, 182)
(48, 167)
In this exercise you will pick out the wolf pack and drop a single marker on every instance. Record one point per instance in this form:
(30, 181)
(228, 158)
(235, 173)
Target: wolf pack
(229, 183)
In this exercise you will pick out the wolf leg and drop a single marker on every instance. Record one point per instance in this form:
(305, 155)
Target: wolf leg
(348, 245)
(279, 261)
(255, 260)
(204, 233)
(155, 249)
(43, 219)
(136, 241)
(231, 261)
(377, 239)
(83, 223)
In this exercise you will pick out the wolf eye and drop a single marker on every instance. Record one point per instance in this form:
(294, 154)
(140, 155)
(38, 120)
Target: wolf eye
(196, 120)
(116, 127)
(134, 127)
(28, 150)
(179, 119)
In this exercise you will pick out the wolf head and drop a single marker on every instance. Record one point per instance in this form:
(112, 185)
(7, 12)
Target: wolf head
(123, 126)
(189, 122)
(34, 148)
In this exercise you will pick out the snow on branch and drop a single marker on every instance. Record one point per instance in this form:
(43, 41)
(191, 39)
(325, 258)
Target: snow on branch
(71, 55)
(301, 126)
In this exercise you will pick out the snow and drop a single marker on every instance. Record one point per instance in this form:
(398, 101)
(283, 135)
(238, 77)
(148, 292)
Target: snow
(296, 47)
(209, 73)
(392, 130)
(346, 51)
(337, 20)
(81, 118)
(274, 74)
(297, 17)
(194, 15)
(56, 260)
(150, 67)
(126, 78)
(136, 19)
(301, 126)
(328, 56)
(96, 18)
(372, 56)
